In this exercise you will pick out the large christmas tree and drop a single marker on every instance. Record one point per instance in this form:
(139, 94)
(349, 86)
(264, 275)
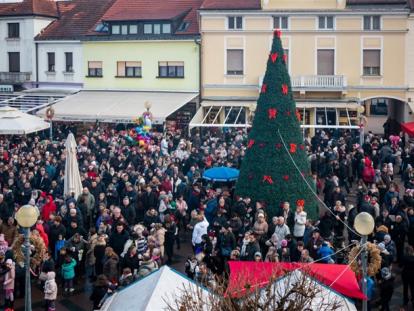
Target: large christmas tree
(275, 143)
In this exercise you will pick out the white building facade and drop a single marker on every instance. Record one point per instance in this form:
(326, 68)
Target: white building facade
(60, 64)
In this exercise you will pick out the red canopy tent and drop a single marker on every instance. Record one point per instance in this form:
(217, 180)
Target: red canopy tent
(248, 276)
(408, 128)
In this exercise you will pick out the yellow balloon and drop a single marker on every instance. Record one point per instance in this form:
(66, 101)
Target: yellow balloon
(142, 143)
(146, 128)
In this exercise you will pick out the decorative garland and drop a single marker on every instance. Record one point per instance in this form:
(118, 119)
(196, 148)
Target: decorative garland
(36, 255)
(374, 259)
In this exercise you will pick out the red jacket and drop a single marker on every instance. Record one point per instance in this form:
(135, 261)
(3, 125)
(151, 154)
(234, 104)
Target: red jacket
(48, 208)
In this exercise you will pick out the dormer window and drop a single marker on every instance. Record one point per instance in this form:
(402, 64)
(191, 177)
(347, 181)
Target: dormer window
(116, 29)
(157, 28)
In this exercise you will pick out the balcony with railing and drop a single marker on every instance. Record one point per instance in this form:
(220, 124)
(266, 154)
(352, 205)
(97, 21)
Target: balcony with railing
(14, 77)
(319, 82)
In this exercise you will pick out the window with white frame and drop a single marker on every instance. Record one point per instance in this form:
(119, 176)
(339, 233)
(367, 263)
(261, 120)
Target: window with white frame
(235, 22)
(379, 107)
(234, 62)
(280, 22)
(116, 29)
(372, 62)
(372, 22)
(326, 62)
(133, 29)
(326, 22)
(68, 62)
(51, 62)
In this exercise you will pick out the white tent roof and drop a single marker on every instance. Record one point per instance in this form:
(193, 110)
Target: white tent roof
(16, 122)
(118, 107)
(152, 292)
(324, 297)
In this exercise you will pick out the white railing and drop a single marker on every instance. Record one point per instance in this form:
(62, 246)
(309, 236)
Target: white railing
(14, 77)
(318, 81)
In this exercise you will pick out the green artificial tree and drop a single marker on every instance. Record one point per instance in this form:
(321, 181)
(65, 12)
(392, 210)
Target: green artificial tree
(268, 173)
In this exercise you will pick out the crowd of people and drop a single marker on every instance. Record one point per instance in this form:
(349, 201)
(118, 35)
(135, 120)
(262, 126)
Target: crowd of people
(137, 204)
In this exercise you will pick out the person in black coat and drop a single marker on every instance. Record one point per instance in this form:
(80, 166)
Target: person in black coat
(128, 211)
(408, 274)
(118, 238)
(149, 198)
(386, 287)
(99, 253)
(100, 289)
(55, 230)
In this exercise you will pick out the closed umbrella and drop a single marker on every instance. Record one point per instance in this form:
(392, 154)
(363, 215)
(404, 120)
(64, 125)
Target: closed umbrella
(221, 173)
(73, 182)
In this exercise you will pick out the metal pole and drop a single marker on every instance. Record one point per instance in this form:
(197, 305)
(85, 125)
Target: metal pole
(28, 292)
(51, 130)
(361, 136)
(364, 272)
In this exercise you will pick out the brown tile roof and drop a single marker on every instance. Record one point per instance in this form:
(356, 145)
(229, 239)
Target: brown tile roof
(231, 5)
(76, 18)
(124, 10)
(46, 8)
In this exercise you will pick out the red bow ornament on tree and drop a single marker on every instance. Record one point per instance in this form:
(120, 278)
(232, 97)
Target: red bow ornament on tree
(272, 112)
(250, 143)
(285, 58)
(264, 88)
(277, 33)
(286, 177)
(273, 57)
(284, 89)
(292, 148)
(268, 179)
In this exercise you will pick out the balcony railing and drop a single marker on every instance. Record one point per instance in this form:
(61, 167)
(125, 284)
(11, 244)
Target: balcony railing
(14, 77)
(319, 82)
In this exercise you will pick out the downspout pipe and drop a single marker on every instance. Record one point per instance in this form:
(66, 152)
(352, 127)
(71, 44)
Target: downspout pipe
(37, 63)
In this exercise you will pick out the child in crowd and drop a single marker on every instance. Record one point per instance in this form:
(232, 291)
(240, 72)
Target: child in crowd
(8, 285)
(50, 291)
(68, 274)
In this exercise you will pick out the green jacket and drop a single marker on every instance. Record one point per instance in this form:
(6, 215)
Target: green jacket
(68, 270)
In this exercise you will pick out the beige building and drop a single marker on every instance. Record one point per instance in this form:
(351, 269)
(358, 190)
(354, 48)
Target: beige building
(342, 54)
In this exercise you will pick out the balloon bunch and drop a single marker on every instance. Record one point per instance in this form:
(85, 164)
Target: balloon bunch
(141, 135)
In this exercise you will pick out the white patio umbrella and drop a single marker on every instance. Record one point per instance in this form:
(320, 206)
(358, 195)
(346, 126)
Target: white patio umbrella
(15, 122)
(72, 178)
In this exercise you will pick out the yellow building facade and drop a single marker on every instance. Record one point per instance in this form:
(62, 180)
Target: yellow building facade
(340, 56)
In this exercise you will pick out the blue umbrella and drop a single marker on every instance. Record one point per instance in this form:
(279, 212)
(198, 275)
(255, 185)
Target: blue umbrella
(221, 173)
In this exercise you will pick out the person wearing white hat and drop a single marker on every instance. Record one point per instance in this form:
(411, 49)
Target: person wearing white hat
(8, 284)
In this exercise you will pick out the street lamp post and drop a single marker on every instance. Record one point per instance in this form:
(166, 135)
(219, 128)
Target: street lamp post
(26, 217)
(364, 225)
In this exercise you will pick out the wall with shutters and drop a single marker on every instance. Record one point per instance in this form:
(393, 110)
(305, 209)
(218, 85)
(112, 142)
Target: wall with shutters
(149, 53)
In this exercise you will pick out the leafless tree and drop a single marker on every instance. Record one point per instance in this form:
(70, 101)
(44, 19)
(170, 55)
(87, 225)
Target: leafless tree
(293, 292)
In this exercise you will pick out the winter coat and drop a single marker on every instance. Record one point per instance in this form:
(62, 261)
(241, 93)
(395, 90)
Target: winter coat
(281, 232)
(9, 279)
(199, 230)
(300, 222)
(68, 269)
(48, 208)
(386, 289)
(251, 249)
(10, 232)
(50, 288)
(118, 240)
(110, 268)
(43, 234)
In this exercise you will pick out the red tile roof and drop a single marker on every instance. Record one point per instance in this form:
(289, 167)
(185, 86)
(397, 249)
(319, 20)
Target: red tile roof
(231, 5)
(124, 10)
(76, 18)
(46, 8)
